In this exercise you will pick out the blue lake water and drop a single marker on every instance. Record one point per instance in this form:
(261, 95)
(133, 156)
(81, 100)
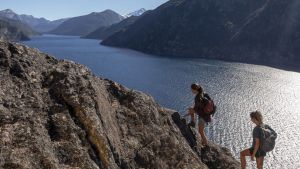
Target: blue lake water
(236, 88)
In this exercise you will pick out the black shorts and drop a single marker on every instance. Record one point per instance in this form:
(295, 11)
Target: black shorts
(259, 152)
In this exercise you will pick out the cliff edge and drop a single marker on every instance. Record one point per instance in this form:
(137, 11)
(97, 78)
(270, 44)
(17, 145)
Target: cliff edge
(58, 115)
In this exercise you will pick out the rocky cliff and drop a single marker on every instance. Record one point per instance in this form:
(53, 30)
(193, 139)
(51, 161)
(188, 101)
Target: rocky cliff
(58, 115)
(253, 31)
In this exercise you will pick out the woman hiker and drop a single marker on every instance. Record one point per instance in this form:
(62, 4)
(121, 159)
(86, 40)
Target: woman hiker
(255, 151)
(198, 109)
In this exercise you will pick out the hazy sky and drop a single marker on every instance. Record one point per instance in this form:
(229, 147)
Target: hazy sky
(55, 9)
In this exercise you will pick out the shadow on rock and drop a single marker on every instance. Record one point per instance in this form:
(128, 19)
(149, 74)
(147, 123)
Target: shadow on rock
(215, 157)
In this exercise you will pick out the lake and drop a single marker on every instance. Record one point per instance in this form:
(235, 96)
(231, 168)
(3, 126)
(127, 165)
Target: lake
(236, 88)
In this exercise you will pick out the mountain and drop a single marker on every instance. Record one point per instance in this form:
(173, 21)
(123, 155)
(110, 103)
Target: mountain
(58, 114)
(83, 25)
(8, 13)
(15, 30)
(41, 24)
(10, 32)
(136, 13)
(45, 27)
(105, 32)
(252, 31)
(38, 24)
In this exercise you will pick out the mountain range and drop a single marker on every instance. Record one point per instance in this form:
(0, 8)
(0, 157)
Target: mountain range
(252, 31)
(83, 25)
(106, 31)
(15, 30)
(41, 25)
(93, 25)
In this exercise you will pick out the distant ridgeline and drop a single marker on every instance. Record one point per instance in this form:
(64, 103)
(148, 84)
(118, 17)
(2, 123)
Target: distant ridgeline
(41, 25)
(83, 25)
(106, 31)
(27, 25)
(15, 30)
(253, 31)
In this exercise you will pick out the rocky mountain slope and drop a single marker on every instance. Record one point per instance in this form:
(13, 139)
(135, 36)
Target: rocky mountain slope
(83, 25)
(41, 25)
(10, 14)
(255, 31)
(58, 115)
(105, 32)
(136, 13)
(15, 30)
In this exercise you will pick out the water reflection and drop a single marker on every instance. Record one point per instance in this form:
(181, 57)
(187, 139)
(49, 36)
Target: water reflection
(237, 89)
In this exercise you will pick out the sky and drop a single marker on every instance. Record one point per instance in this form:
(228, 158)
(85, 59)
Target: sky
(57, 9)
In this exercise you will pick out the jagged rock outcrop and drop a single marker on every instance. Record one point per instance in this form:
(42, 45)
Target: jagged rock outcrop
(58, 115)
(252, 31)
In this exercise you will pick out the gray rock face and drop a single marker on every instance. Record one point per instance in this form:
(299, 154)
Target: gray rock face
(58, 115)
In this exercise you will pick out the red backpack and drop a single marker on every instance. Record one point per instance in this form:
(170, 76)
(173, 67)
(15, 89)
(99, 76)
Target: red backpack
(209, 106)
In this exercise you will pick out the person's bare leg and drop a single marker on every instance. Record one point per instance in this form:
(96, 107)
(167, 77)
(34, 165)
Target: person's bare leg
(202, 133)
(243, 155)
(260, 162)
(192, 114)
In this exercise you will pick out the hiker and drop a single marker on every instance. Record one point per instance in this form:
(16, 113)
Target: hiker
(263, 141)
(199, 109)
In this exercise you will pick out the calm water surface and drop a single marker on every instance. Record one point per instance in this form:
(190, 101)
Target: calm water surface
(236, 88)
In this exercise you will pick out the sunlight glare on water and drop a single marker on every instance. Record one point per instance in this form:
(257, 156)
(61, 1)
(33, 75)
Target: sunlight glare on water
(236, 88)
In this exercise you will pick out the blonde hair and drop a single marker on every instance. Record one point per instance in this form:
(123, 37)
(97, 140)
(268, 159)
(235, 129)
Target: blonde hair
(257, 116)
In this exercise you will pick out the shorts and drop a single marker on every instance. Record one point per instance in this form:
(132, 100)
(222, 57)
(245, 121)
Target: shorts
(259, 152)
(201, 121)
